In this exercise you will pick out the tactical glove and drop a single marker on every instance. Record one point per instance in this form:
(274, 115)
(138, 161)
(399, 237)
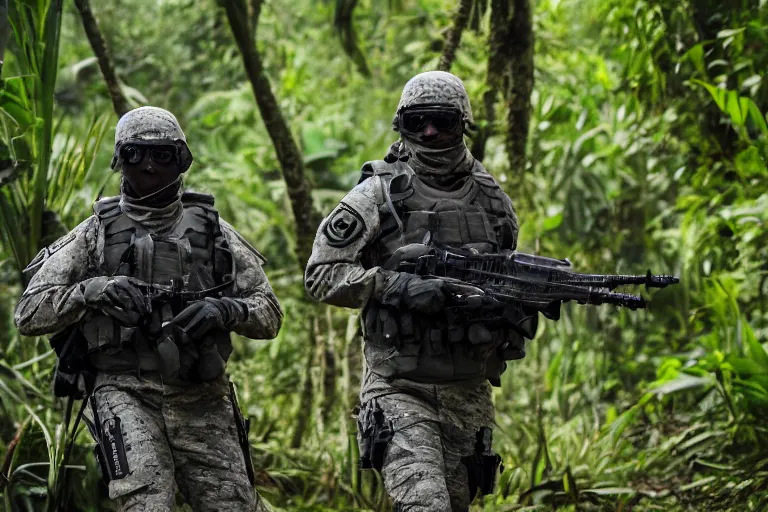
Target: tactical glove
(199, 318)
(413, 292)
(117, 297)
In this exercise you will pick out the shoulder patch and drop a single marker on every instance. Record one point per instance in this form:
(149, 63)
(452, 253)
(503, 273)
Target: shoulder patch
(46, 253)
(343, 226)
(61, 242)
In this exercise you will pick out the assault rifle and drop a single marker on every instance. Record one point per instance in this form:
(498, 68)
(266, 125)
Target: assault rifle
(532, 282)
(157, 295)
(72, 349)
(157, 325)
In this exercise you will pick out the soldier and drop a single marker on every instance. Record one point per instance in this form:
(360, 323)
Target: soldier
(151, 285)
(426, 411)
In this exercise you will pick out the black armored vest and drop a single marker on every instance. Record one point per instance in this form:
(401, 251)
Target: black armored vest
(475, 212)
(190, 254)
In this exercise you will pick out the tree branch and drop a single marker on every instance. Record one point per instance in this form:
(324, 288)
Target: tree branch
(460, 19)
(99, 46)
(344, 23)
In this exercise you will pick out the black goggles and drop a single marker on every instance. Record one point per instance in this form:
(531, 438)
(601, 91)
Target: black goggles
(162, 155)
(442, 118)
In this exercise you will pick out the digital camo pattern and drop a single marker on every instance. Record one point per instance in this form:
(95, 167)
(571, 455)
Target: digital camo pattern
(334, 273)
(180, 431)
(434, 428)
(176, 434)
(54, 298)
(151, 125)
(430, 88)
(253, 289)
(436, 88)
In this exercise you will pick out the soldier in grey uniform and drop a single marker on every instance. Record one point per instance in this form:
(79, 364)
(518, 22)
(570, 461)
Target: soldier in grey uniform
(426, 410)
(151, 285)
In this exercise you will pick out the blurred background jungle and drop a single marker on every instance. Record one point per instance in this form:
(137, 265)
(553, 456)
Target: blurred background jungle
(631, 134)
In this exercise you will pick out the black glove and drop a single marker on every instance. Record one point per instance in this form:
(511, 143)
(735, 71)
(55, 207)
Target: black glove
(425, 295)
(404, 290)
(117, 297)
(199, 318)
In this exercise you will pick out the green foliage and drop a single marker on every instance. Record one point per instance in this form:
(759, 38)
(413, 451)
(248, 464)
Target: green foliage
(647, 149)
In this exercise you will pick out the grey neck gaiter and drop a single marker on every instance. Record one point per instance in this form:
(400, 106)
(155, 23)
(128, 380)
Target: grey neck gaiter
(449, 158)
(154, 218)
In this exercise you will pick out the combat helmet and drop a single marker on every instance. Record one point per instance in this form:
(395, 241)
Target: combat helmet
(151, 126)
(432, 89)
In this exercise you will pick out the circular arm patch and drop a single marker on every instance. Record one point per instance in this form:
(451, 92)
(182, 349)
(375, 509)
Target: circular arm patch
(344, 226)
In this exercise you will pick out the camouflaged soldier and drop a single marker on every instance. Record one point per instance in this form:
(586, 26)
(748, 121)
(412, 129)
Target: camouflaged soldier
(152, 285)
(426, 410)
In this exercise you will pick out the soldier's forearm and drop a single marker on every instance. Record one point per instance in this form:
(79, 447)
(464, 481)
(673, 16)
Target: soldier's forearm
(347, 285)
(264, 319)
(50, 309)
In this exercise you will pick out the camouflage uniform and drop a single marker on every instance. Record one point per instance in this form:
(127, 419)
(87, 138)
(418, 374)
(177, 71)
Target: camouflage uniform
(426, 409)
(161, 407)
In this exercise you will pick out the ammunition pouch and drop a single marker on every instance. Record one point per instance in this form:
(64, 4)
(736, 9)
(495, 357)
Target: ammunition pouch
(243, 427)
(376, 432)
(483, 465)
(437, 348)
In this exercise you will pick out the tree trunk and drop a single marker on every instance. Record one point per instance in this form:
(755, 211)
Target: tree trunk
(520, 86)
(244, 30)
(495, 74)
(306, 397)
(460, 19)
(288, 154)
(99, 46)
(330, 373)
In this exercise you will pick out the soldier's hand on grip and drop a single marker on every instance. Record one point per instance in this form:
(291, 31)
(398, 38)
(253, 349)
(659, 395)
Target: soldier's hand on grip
(199, 318)
(117, 297)
(425, 295)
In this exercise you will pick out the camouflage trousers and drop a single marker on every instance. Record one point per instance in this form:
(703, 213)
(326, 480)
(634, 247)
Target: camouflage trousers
(434, 428)
(174, 434)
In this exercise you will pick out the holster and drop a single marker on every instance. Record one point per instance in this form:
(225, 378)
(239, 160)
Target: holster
(73, 376)
(110, 446)
(376, 432)
(243, 427)
(482, 465)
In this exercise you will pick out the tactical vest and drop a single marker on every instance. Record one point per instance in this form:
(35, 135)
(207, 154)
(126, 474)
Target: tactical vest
(192, 255)
(435, 348)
